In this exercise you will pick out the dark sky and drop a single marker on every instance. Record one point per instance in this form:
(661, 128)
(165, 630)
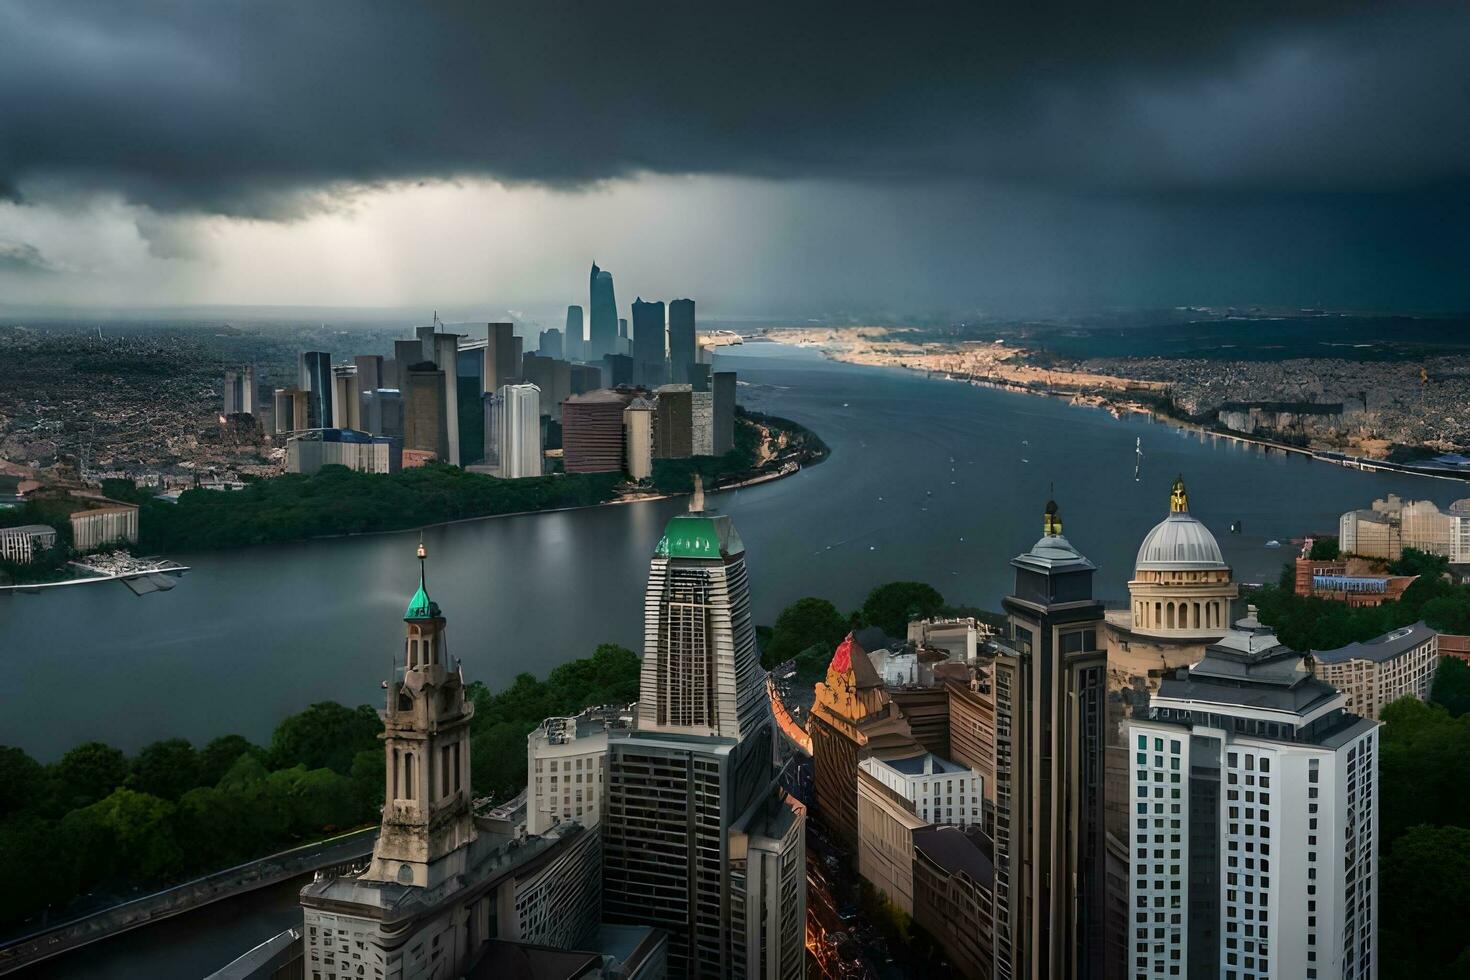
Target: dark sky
(763, 156)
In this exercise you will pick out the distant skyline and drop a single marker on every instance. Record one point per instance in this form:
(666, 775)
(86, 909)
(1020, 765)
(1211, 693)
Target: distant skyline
(981, 159)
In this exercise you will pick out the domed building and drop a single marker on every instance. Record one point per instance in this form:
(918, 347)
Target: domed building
(1179, 604)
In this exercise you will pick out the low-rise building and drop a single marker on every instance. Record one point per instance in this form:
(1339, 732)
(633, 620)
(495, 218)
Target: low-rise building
(1349, 581)
(592, 432)
(954, 879)
(25, 543)
(1382, 670)
(941, 791)
(112, 523)
(566, 765)
(360, 451)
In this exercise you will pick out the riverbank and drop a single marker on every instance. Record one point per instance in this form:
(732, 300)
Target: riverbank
(337, 502)
(1117, 396)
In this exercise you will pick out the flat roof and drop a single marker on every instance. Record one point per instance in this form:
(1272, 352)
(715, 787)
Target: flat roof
(926, 764)
(29, 529)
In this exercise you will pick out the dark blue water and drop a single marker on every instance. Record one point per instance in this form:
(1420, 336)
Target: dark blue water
(928, 480)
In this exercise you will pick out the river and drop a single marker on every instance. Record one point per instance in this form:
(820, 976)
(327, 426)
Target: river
(928, 479)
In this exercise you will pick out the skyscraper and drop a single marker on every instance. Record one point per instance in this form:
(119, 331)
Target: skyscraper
(423, 411)
(681, 340)
(502, 361)
(233, 395)
(617, 369)
(1050, 689)
(592, 432)
(699, 840)
(346, 398)
(573, 338)
(520, 431)
(649, 348)
(316, 381)
(638, 438)
(549, 344)
(724, 391)
(370, 372)
(673, 425)
(603, 308)
(1254, 823)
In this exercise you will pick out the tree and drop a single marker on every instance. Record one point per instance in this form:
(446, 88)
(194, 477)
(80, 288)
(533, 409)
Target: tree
(890, 607)
(1323, 549)
(1452, 686)
(498, 761)
(166, 769)
(220, 754)
(90, 772)
(806, 622)
(142, 827)
(21, 781)
(326, 734)
(1424, 886)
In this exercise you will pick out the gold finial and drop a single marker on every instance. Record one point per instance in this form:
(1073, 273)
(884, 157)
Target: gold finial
(423, 553)
(696, 501)
(1178, 497)
(1051, 521)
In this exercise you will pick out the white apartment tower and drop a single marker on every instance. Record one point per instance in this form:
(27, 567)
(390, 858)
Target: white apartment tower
(1254, 822)
(520, 431)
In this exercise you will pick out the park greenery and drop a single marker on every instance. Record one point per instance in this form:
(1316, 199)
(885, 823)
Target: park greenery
(1311, 623)
(808, 630)
(1424, 830)
(97, 824)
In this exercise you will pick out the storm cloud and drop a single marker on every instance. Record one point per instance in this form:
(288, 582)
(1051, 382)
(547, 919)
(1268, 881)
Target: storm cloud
(277, 108)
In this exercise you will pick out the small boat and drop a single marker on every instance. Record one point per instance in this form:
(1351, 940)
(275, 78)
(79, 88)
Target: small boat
(1234, 527)
(1273, 543)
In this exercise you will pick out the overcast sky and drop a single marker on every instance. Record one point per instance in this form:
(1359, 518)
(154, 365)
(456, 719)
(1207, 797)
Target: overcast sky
(765, 158)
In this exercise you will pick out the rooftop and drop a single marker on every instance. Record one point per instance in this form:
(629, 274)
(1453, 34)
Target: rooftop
(957, 851)
(927, 764)
(1381, 648)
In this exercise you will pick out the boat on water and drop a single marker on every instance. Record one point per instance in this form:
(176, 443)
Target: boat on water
(1273, 543)
(1234, 527)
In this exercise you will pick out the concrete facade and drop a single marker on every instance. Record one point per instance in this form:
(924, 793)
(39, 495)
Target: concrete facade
(98, 526)
(1374, 674)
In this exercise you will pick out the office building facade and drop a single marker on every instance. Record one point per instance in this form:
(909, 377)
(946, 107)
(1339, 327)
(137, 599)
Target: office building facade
(573, 338)
(316, 381)
(638, 439)
(566, 765)
(520, 431)
(699, 840)
(939, 790)
(682, 348)
(650, 346)
(602, 310)
(701, 423)
(1255, 796)
(592, 432)
(424, 429)
(360, 451)
(953, 896)
(97, 527)
(1049, 836)
(723, 386)
(673, 422)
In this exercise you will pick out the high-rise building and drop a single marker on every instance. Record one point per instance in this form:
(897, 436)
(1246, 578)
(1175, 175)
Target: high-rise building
(673, 423)
(316, 381)
(699, 376)
(638, 439)
(553, 377)
(724, 391)
(702, 423)
(681, 340)
(574, 340)
(502, 360)
(585, 377)
(603, 311)
(520, 431)
(346, 398)
(407, 353)
(239, 392)
(617, 370)
(232, 394)
(623, 329)
(382, 412)
(423, 411)
(1254, 830)
(370, 372)
(494, 408)
(592, 432)
(953, 898)
(549, 344)
(1049, 840)
(650, 351)
(445, 354)
(699, 840)
(290, 410)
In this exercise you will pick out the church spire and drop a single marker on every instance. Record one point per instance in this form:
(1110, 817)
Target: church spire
(421, 606)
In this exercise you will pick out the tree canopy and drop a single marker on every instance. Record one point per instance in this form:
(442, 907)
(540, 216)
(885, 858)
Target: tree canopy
(890, 607)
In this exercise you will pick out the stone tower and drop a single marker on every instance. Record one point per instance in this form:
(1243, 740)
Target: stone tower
(426, 739)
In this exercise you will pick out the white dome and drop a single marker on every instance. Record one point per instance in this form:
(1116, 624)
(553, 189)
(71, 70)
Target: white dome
(1180, 543)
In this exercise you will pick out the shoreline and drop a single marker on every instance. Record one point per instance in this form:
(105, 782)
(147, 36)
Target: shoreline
(1117, 408)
